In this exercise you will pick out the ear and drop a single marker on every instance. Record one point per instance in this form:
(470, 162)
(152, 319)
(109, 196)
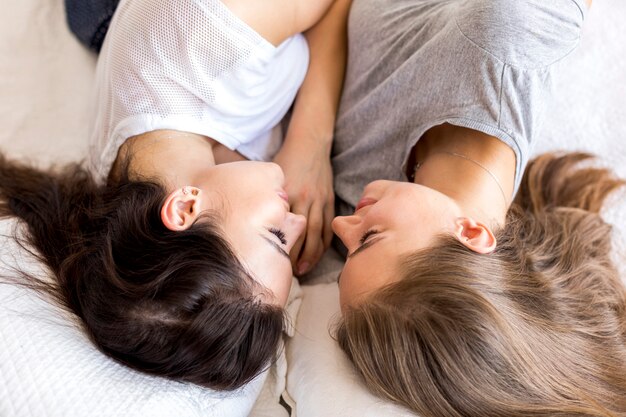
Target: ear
(181, 208)
(474, 235)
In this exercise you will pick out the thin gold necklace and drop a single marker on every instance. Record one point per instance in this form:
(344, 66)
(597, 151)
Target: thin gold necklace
(458, 155)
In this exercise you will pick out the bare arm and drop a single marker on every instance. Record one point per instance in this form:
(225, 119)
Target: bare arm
(305, 155)
(277, 20)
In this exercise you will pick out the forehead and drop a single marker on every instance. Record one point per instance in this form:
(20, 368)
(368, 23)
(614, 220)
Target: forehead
(267, 265)
(265, 261)
(371, 269)
(378, 265)
(254, 244)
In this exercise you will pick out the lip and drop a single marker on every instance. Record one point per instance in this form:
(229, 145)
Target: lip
(365, 201)
(283, 194)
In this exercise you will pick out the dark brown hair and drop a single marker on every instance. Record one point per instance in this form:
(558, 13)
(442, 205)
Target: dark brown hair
(537, 328)
(174, 304)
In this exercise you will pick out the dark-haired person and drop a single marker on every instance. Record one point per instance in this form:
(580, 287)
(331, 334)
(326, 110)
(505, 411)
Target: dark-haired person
(457, 299)
(175, 249)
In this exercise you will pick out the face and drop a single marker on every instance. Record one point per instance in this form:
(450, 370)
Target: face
(391, 219)
(256, 219)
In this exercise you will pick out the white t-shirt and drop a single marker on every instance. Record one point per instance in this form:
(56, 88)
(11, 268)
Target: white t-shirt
(192, 66)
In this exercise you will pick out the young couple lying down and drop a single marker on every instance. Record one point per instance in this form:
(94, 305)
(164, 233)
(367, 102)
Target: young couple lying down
(476, 282)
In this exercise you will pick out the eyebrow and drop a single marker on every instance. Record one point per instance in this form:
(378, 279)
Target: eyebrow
(276, 246)
(365, 246)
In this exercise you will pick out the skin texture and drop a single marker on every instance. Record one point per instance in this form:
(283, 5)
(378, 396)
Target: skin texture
(451, 195)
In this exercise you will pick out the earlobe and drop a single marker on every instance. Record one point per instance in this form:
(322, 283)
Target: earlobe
(181, 208)
(475, 235)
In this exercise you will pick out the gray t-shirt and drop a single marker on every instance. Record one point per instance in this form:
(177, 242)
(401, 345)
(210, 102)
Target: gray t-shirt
(414, 64)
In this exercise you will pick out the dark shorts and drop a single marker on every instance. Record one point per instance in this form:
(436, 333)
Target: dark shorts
(89, 20)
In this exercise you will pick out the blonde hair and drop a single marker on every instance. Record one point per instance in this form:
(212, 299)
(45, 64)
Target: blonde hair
(537, 328)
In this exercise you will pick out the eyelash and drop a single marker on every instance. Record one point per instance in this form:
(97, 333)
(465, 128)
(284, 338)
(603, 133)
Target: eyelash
(279, 234)
(366, 235)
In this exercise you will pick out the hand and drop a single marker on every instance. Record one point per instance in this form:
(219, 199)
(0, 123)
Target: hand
(309, 184)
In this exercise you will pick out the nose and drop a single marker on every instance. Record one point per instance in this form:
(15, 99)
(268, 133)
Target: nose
(345, 227)
(293, 228)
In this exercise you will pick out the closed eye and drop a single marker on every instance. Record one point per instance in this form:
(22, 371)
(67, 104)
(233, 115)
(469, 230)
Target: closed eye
(366, 241)
(366, 235)
(279, 234)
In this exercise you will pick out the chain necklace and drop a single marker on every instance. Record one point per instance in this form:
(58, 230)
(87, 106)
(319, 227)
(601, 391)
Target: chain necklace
(458, 155)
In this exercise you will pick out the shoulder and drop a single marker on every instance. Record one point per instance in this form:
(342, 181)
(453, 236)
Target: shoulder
(523, 33)
(277, 20)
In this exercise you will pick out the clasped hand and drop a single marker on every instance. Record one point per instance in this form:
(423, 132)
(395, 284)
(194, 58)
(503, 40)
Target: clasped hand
(309, 184)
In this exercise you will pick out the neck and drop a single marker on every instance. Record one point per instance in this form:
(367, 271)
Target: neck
(474, 169)
(170, 157)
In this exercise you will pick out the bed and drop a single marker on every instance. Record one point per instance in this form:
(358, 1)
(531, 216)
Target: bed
(47, 365)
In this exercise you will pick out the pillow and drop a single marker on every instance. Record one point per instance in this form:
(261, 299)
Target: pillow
(321, 381)
(48, 366)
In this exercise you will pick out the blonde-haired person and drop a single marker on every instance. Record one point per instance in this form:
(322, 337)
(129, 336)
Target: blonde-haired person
(174, 251)
(457, 298)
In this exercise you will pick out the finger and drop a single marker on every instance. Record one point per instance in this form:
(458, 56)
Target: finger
(329, 214)
(294, 254)
(313, 245)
